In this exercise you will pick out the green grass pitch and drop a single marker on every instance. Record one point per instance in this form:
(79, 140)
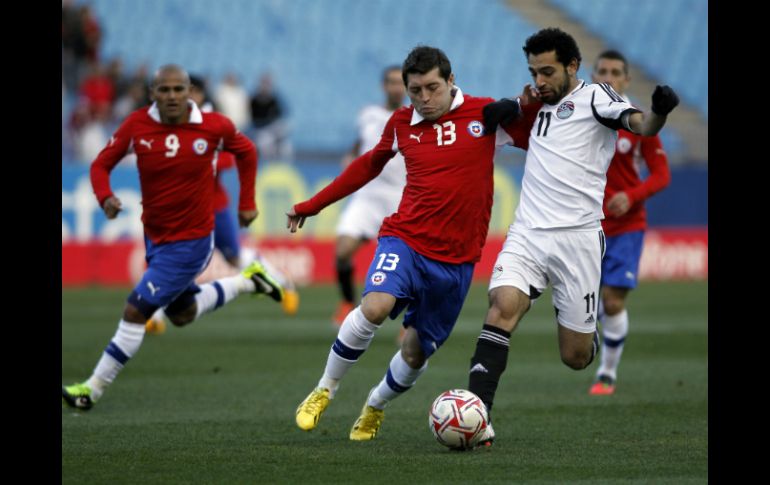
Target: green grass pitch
(214, 402)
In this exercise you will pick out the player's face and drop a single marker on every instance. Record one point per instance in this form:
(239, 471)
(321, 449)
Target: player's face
(552, 79)
(611, 71)
(196, 94)
(394, 88)
(171, 91)
(431, 95)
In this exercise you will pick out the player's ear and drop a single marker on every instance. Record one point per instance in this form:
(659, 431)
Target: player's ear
(451, 80)
(572, 67)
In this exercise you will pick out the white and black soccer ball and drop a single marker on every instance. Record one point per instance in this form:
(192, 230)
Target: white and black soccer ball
(458, 419)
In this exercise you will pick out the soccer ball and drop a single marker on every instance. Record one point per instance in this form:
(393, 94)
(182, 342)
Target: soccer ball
(458, 419)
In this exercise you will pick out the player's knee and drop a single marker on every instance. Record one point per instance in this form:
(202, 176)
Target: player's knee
(133, 314)
(415, 360)
(343, 263)
(614, 300)
(344, 250)
(377, 306)
(375, 313)
(576, 359)
(411, 351)
(613, 305)
(183, 317)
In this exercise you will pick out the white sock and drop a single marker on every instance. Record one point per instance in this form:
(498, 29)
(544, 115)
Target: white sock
(399, 379)
(353, 339)
(122, 347)
(159, 315)
(614, 331)
(217, 293)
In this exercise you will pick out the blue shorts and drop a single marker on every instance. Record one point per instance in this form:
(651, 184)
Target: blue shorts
(226, 234)
(433, 291)
(172, 269)
(620, 266)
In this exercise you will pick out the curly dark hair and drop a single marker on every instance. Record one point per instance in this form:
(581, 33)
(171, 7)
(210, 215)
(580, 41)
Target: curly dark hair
(553, 39)
(423, 59)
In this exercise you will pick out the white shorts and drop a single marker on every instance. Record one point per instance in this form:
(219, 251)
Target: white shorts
(569, 260)
(362, 217)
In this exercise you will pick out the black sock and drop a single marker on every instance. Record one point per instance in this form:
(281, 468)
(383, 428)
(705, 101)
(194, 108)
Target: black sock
(488, 363)
(345, 279)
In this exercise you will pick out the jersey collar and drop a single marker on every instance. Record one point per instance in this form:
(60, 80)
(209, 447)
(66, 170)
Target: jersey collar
(195, 113)
(457, 101)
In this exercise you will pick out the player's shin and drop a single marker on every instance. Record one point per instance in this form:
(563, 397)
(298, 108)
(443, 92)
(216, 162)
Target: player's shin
(397, 380)
(220, 292)
(488, 363)
(353, 339)
(345, 279)
(124, 345)
(614, 330)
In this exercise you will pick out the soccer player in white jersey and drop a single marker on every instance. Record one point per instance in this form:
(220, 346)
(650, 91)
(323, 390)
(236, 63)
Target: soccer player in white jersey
(362, 217)
(557, 236)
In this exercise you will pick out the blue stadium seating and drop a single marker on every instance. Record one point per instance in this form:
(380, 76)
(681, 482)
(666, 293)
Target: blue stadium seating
(668, 39)
(326, 56)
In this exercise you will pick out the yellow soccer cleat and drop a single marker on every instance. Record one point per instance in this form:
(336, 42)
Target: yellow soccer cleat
(290, 302)
(78, 396)
(368, 424)
(309, 411)
(265, 283)
(155, 326)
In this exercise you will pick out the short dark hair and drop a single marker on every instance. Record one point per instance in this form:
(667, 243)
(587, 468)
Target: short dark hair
(553, 39)
(424, 59)
(614, 55)
(198, 82)
(388, 70)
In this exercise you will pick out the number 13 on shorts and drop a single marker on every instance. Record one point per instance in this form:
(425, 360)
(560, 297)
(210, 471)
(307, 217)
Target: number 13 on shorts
(387, 261)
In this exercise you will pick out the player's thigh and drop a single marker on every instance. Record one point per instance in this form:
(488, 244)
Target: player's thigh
(574, 270)
(172, 268)
(518, 277)
(392, 272)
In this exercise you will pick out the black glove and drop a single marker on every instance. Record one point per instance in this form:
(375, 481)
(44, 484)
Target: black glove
(664, 100)
(500, 113)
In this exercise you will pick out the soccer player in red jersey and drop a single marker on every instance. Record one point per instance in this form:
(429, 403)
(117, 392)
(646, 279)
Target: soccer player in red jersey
(225, 228)
(175, 145)
(624, 223)
(427, 249)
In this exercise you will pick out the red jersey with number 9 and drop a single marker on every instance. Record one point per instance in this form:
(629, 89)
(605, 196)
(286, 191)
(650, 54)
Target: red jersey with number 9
(176, 170)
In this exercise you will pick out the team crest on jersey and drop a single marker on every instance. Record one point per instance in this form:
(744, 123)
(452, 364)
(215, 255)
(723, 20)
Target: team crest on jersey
(624, 145)
(476, 129)
(498, 271)
(200, 145)
(378, 278)
(565, 110)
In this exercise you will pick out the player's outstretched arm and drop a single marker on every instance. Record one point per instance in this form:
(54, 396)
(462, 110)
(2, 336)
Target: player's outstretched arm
(294, 221)
(664, 100)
